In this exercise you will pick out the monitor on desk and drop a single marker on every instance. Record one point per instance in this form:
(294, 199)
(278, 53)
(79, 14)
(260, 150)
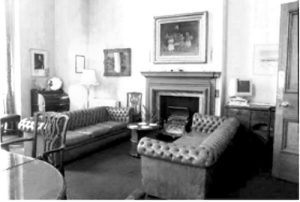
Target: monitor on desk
(243, 88)
(240, 90)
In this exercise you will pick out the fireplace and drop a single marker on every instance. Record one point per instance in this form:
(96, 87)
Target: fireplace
(193, 90)
(168, 104)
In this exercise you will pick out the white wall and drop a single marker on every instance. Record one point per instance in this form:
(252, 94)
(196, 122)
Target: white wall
(250, 23)
(71, 38)
(130, 24)
(34, 30)
(65, 28)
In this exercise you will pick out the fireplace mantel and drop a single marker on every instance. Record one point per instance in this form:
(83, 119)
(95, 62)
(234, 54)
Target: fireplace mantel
(210, 75)
(172, 83)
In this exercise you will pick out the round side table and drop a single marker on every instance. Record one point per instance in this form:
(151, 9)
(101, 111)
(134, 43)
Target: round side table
(138, 131)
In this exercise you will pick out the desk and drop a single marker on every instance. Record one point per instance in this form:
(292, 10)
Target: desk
(257, 121)
(24, 177)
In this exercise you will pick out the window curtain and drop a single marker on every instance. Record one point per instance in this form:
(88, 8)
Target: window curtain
(7, 102)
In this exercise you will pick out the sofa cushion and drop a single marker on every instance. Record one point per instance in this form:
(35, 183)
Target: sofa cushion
(192, 139)
(74, 137)
(100, 129)
(112, 125)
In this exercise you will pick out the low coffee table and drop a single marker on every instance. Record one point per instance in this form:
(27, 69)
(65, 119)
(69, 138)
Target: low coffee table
(139, 130)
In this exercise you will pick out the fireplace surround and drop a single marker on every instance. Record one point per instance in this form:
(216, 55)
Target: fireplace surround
(200, 85)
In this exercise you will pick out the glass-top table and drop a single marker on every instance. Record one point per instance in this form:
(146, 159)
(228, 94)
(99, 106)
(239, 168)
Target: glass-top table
(23, 177)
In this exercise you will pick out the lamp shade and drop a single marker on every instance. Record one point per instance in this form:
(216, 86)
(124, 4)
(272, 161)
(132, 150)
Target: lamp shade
(89, 78)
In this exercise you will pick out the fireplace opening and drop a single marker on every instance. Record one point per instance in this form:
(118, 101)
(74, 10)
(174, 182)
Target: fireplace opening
(174, 104)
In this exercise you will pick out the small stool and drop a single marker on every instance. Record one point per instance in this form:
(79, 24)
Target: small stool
(9, 125)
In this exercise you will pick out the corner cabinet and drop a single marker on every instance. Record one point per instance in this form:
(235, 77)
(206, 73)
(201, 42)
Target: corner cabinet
(48, 100)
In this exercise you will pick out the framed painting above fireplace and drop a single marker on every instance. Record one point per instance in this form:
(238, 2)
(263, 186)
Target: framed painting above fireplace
(181, 38)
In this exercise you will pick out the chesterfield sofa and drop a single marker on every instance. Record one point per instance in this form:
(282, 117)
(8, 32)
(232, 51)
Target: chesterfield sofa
(88, 130)
(184, 169)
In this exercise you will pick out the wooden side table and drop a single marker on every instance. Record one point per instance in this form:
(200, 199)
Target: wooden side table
(138, 131)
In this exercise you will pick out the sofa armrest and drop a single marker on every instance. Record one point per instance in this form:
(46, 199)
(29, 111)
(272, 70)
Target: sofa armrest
(187, 155)
(219, 140)
(27, 125)
(122, 114)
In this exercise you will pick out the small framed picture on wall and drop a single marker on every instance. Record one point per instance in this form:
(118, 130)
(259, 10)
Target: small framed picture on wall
(117, 62)
(39, 62)
(79, 63)
(265, 59)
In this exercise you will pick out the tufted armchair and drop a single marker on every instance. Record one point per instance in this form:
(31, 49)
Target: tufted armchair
(182, 169)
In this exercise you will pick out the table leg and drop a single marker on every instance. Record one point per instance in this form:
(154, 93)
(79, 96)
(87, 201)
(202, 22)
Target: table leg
(134, 142)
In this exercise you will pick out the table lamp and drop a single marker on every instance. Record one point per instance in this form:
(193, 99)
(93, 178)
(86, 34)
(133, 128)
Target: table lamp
(88, 80)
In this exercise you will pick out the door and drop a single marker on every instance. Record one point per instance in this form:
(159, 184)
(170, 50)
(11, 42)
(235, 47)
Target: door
(286, 136)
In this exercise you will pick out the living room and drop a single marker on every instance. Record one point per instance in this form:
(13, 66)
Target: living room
(75, 35)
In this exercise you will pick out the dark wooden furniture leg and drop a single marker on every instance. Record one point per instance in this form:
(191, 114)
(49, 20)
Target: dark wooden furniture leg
(134, 142)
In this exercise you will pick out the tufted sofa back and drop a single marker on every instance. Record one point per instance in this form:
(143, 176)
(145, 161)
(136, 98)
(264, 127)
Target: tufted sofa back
(84, 117)
(122, 114)
(206, 123)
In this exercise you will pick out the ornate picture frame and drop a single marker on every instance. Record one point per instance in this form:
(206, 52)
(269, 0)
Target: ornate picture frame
(181, 38)
(117, 62)
(39, 63)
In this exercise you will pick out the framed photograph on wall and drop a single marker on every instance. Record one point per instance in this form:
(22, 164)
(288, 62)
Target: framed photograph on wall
(117, 62)
(181, 38)
(79, 63)
(39, 62)
(265, 59)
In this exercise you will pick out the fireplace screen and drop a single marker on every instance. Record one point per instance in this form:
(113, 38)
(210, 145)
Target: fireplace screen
(191, 104)
(177, 121)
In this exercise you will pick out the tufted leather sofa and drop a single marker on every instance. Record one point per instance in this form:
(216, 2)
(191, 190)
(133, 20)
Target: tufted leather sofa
(183, 169)
(88, 129)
